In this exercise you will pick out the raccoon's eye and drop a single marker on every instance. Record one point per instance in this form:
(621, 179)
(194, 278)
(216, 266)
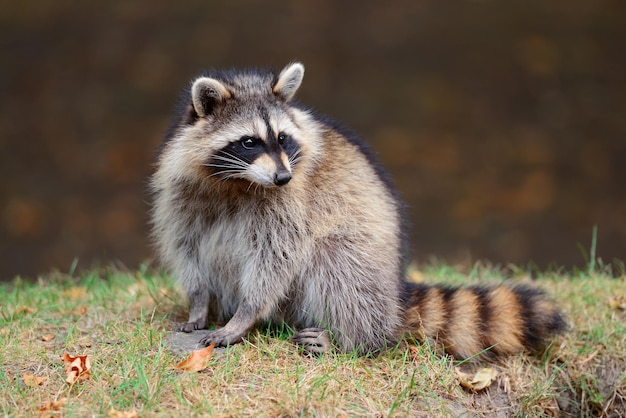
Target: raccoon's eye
(282, 138)
(248, 142)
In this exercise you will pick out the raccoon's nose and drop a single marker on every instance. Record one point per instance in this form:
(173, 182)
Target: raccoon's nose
(282, 177)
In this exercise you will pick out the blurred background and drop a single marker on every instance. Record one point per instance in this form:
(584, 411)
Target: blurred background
(502, 123)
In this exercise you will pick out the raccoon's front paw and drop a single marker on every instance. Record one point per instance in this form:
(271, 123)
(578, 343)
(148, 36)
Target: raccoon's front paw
(190, 326)
(221, 338)
(313, 340)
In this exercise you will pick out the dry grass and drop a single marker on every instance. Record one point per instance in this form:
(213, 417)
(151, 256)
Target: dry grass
(120, 320)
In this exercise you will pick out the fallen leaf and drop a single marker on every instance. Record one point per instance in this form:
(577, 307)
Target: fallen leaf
(198, 360)
(47, 338)
(49, 409)
(415, 353)
(479, 381)
(77, 368)
(75, 293)
(32, 380)
(122, 414)
(618, 303)
(23, 310)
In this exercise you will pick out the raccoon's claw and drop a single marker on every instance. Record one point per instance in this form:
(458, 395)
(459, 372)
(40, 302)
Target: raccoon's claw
(220, 338)
(313, 340)
(190, 326)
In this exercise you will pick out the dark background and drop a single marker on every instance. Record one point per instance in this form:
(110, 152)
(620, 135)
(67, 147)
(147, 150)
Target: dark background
(502, 122)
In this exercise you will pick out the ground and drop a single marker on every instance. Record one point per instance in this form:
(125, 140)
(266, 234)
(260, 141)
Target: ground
(122, 321)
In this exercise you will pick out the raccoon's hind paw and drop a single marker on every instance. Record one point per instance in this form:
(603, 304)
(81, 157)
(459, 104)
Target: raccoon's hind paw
(313, 340)
(190, 326)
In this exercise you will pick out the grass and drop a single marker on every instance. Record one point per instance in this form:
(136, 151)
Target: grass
(120, 319)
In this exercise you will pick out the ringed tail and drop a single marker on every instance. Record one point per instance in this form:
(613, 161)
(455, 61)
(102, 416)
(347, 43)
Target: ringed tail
(477, 321)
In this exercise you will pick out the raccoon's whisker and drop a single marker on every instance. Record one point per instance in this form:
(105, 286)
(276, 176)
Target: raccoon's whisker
(295, 161)
(229, 161)
(226, 174)
(230, 166)
(295, 158)
(226, 156)
(226, 171)
(227, 164)
(222, 172)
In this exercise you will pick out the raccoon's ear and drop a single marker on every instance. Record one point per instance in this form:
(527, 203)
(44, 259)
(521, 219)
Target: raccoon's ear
(206, 93)
(289, 80)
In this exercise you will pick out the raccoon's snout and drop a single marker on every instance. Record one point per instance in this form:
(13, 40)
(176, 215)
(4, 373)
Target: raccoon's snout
(282, 177)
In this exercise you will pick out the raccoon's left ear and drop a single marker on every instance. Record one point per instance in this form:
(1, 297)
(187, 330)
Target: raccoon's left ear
(289, 81)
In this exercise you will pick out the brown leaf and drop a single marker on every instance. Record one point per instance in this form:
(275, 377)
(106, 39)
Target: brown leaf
(53, 406)
(47, 338)
(122, 414)
(415, 353)
(32, 380)
(77, 368)
(198, 360)
(479, 381)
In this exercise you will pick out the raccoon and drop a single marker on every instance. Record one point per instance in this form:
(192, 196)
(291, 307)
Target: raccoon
(266, 211)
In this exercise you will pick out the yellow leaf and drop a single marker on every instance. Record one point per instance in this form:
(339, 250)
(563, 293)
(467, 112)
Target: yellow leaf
(414, 275)
(122, 414)
(198, 360)
(479, 381)
(75, 293)
(32, 380)
(618, 302)
(23, 310)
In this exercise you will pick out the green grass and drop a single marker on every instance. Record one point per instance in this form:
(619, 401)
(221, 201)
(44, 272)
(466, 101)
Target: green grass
(121, 319)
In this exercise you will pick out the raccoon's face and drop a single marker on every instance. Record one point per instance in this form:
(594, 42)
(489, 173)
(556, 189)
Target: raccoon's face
(265, 154)
(241, 128)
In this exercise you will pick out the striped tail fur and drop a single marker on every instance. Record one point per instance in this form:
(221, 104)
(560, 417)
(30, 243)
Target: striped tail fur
(475, 321)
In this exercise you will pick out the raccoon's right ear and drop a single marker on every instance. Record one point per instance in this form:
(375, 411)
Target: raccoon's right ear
(206, 93)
